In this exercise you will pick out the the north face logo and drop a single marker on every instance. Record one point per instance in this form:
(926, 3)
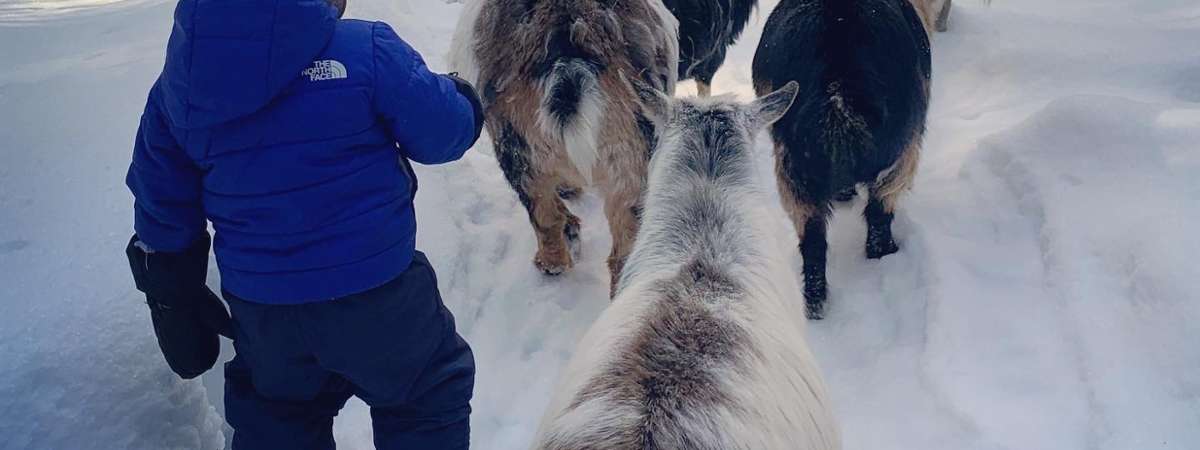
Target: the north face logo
(325, 70)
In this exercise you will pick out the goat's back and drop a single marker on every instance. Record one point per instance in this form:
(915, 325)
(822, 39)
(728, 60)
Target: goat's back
(514, 41)
(861, 63)
(702, 360)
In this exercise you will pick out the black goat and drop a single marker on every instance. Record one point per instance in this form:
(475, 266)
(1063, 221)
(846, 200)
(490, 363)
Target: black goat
(706, 30)
(864, 72)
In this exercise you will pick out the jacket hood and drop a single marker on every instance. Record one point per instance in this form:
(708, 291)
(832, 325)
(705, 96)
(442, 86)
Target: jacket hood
(229, 58)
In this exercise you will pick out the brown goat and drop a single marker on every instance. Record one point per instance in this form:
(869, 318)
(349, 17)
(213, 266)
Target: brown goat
(555, 77)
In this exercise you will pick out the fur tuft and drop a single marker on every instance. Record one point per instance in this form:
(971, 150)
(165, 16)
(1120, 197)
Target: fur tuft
(702, 348)
(845, 136)
(571, 110)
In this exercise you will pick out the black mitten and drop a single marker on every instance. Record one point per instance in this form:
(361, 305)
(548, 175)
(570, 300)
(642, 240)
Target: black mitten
(468, 91)
(187, 316)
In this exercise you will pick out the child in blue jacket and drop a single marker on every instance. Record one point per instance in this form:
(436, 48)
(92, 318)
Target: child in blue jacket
(291, 131)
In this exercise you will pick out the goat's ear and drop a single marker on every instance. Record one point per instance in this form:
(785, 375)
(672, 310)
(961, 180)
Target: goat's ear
(771, 107)
(657, 104)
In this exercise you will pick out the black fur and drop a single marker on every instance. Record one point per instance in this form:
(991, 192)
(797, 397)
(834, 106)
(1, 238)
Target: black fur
(574, 67)
(879, 230)
(649, 134)
(706, 30)
(564, 99)
(863, 68)
(814, 248)
(513, 152)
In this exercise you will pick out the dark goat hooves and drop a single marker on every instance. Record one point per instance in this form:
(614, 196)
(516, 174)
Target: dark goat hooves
(878, 248)
(815, 293)
(815, 311)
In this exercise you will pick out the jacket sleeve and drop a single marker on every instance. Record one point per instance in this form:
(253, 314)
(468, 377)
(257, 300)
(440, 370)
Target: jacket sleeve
(431, 121)
(166, 186)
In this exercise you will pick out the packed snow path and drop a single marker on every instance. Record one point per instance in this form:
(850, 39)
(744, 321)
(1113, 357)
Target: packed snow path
(1045, 296)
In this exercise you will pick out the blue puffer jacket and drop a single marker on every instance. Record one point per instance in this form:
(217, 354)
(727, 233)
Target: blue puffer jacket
(291, 131)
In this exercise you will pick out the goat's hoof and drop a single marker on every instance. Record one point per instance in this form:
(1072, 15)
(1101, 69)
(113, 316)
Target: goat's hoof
(815, 293)
(877, 249)
(815, 311)
(553, 266)
(552, 270)
(846, 195)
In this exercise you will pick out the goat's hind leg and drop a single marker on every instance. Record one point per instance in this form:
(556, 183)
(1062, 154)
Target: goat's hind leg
(556, 228)
(624, 182)
(884, 197)
(537, 189)
(707, 71)
(943, 19)
(809, 220)
(880, 241)
(623, 213)
(814, 247)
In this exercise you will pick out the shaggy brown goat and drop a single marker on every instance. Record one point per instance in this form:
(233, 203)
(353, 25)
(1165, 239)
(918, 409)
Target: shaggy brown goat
(555, 76)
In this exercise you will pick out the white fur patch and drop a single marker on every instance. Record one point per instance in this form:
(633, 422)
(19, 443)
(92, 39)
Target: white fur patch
(580, 135)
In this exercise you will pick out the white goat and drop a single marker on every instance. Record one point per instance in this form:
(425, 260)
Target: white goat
(702, 348)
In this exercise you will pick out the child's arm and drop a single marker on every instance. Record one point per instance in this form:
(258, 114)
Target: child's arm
(166, 185)
(431, 120)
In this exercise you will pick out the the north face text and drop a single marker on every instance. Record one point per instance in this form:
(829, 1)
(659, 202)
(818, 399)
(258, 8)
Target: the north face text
(325, 70)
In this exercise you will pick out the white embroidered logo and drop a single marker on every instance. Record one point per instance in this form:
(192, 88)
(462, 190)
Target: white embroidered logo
(327, 69)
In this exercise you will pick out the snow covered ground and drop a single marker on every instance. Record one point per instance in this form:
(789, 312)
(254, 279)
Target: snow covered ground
(1046, 295)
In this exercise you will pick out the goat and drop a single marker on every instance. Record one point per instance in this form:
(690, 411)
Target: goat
(700, 349)
(555, 78)
(864, 71)
(706, 30)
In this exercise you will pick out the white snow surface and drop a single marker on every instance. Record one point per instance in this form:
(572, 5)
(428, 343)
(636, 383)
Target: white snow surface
(1045, 296)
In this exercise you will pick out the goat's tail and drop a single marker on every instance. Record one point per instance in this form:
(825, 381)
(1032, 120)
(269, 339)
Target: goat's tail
(846, 138)
(572, 109)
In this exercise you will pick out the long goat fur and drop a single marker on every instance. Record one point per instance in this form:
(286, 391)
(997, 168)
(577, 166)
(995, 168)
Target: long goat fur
(703, 348)
(556, 80)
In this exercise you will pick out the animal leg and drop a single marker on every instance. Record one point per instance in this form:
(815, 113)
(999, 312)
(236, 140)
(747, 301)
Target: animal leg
(537, 189)
(943, 19)
(813, 247)
(880, 242)
(623, 210)
(708, 70)
(555, 227)
(809, 221)
(704, 79)
(884, 196)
